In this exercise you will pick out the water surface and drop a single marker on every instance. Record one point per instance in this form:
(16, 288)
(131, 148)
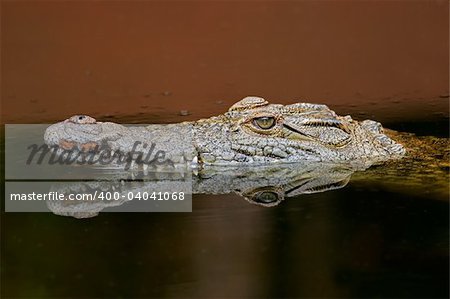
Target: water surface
(367, 239)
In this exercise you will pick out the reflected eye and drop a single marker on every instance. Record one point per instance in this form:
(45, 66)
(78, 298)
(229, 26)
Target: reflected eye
(266, 197)
(265, 122)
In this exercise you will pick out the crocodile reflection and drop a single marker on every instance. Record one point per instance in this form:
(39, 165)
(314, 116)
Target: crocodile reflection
(265, 186)
(269, 186)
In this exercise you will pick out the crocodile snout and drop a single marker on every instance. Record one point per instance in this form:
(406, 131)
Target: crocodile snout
(76, 130)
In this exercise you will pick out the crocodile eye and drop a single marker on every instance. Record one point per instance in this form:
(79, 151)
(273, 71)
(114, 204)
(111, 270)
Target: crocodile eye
(265, 122)
(81, 117)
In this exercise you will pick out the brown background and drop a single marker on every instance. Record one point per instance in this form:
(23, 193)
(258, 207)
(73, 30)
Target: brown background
(146, 60)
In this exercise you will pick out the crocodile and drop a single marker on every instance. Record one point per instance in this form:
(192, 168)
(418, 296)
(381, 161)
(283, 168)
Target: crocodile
(262, 152)
(252, 132)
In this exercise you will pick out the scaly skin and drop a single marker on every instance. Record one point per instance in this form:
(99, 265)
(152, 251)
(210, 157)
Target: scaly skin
(251, 132)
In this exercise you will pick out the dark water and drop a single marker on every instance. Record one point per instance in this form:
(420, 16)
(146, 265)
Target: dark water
(364, 240)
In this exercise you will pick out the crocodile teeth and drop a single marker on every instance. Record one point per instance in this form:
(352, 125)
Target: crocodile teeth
(194, 162)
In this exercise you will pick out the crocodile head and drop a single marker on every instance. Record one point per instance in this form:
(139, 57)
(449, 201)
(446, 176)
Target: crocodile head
(251, 131)
(254, 130)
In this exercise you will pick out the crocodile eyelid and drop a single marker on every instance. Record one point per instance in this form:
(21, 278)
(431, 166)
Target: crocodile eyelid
(260, 114)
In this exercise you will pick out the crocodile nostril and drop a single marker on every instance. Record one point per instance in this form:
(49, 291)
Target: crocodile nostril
(82, 119)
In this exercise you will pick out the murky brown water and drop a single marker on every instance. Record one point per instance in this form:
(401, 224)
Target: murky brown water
(144, 62)
(116, 58)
